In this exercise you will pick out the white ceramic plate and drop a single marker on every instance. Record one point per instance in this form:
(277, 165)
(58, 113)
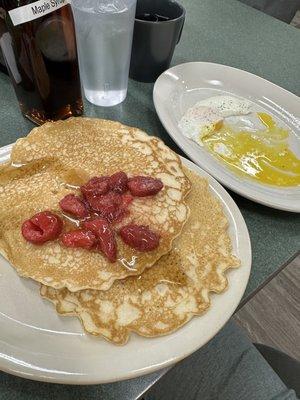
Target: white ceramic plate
(182, 86)
(37, 343)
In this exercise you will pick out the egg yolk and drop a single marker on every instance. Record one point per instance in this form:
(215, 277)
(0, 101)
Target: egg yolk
(263, 155)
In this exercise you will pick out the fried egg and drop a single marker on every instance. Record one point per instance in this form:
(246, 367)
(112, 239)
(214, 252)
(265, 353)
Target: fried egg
(207, 116)
(250, 143)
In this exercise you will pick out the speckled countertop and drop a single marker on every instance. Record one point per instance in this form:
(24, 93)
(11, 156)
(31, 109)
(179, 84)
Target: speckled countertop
(226, 32)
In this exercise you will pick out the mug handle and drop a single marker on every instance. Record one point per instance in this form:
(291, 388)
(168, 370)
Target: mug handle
(179, 37)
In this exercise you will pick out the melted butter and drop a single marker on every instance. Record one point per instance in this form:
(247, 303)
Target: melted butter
(263, 155)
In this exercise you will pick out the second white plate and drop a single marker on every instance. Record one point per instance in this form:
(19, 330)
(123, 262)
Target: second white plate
(180, 87)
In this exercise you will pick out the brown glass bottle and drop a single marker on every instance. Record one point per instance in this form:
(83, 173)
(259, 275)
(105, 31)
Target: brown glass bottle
(42, 62)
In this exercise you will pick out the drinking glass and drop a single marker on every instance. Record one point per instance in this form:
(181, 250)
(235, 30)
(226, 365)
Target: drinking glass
(104, 31)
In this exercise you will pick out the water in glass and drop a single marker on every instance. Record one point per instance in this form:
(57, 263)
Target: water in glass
(104, 31)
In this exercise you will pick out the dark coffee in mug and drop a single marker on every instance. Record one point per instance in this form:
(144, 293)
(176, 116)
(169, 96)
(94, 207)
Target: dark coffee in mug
(152, 17)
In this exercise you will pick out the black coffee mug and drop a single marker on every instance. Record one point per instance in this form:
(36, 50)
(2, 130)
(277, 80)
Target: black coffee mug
(157, 30)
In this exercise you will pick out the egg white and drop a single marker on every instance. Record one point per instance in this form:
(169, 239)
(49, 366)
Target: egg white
(199, 121)
(227, 106)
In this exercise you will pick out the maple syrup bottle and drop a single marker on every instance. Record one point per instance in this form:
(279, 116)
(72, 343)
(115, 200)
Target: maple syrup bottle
(37, 39)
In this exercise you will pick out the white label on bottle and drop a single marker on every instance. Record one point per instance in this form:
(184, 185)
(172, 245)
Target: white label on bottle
(35, 10)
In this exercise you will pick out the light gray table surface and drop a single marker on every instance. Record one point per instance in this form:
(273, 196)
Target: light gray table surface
(221, 31)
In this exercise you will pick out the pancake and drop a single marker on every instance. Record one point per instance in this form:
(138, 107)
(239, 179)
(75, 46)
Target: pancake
(54, 160)
(167, 295)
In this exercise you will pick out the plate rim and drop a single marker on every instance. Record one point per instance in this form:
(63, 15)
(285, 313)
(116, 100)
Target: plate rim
(65, 378)
(180, 141)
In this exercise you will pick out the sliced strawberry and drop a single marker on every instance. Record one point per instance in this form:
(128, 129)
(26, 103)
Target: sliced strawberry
(73, 205)
(139, 237)
(123, 208)
(118, 182)
(96, 186)
(79, 238)
(42, 227)
(141, 186)
(107, 205)
(126, 201)
(94, 225)
(107, 242)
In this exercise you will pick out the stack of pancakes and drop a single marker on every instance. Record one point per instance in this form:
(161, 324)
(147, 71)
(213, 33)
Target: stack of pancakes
(150, 293)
